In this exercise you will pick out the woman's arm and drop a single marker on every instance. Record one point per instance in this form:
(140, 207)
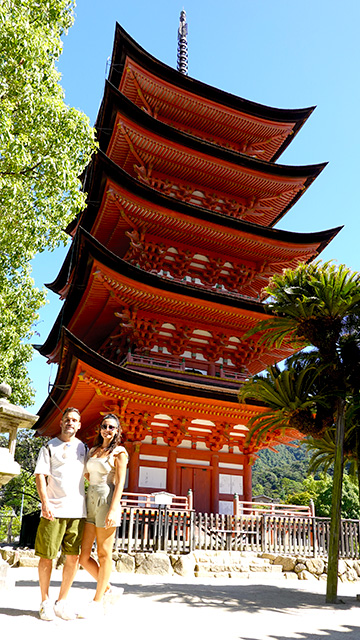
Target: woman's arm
(120, 460)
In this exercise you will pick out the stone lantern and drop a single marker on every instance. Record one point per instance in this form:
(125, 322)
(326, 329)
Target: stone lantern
(12, 418)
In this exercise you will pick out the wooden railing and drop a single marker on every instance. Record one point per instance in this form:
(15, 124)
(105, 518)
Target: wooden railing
(184, 531)
(271, 508)
(300, 535)
(153, 500)
(184, 366)
(159, 529)
(149, 529)
(240, 507)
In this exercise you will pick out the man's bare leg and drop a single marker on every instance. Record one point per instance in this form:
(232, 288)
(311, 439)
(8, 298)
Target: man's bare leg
(69, 572)
(44, 570)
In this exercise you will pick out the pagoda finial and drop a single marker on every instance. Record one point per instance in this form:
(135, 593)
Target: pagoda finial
(182, 52)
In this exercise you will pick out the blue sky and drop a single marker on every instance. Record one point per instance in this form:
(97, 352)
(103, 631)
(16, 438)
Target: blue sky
(280, 53)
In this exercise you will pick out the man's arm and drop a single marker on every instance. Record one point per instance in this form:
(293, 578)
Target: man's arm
(46, 510)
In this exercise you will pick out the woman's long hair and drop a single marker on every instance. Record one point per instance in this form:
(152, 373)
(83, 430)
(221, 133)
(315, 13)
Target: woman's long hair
(117, 438)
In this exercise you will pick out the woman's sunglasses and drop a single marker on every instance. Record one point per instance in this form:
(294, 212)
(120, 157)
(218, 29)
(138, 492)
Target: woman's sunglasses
(108, 426)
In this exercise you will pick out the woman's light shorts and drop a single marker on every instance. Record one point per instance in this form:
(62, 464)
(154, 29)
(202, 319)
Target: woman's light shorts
(98, 501)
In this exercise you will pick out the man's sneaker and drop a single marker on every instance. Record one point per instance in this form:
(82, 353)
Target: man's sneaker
(46, 611)
(92, 610)
(62, 610)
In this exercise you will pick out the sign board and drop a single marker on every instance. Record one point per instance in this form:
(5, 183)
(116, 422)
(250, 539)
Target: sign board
(162, 497)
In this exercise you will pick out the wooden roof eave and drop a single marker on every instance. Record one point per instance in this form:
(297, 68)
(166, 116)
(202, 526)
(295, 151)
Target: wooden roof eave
(124, 45)
(115, 102)
(89, 246)
(74, 350)
(104, 167)
(90, 250)
(287, 183)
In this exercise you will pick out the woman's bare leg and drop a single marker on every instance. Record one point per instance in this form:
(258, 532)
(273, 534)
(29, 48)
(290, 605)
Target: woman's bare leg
(86, 559)
(105, 543)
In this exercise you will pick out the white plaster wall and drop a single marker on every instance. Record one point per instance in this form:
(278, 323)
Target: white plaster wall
(229, 483)
(152, 477)
(226, 507)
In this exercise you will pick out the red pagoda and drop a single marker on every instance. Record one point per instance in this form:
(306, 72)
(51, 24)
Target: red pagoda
(165, 272)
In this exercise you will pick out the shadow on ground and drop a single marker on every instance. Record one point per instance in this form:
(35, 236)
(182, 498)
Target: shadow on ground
(324, 634)
(251, 598)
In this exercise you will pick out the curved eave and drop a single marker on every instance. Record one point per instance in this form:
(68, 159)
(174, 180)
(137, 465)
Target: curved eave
(103, 169)
(115, 102)
(91, 249)
(91, 256)
(223, 172)
(125, 46)
(90, 382)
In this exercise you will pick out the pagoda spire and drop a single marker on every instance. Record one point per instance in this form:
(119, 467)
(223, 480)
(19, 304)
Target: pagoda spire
(182, 51)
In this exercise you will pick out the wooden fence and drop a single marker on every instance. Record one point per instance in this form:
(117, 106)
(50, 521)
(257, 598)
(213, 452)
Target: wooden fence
(179, 531)
(307, 536)
(161, 529)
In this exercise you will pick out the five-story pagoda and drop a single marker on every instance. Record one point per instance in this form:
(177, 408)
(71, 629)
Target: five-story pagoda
(165, 271)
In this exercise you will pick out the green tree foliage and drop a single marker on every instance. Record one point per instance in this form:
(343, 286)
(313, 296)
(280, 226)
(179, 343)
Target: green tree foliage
(9, 524)
(286, 476)
(295, 397)
(278, 473)
(315, 305)
(20, 301)
(44, 147)
(20, 492)
(320, 491)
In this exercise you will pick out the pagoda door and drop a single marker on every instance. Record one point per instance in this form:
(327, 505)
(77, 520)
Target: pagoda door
(199, 480)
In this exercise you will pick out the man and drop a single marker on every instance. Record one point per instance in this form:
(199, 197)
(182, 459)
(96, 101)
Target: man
(59, 475)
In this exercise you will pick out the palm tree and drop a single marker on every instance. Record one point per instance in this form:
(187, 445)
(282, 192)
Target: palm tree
(295, 397)
(317, 305)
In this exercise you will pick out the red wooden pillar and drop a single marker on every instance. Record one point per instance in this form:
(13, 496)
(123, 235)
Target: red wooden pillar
(211, 369)
(214, 497)
(171, 472)
(247, 480)
(133, 483)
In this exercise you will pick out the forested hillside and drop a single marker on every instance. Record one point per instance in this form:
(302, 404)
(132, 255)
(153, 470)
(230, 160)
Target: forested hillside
(278, 474)
(283, 476)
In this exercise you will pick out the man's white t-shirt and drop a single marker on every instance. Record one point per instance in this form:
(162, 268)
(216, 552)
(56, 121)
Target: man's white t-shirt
(63, 464)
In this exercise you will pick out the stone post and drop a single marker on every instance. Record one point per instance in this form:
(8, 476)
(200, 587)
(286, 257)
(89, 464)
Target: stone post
(12, 418)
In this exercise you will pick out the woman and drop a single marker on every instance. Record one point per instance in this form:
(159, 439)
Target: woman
(106, 472)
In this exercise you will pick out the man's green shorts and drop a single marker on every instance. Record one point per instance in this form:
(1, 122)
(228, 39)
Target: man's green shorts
(60, 533)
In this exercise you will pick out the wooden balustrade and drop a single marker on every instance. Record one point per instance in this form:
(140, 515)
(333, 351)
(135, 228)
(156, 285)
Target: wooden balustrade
(161, 529)
(289, 535)
(153, 500)
(182, 531)
(251, 508)
(180, 364)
